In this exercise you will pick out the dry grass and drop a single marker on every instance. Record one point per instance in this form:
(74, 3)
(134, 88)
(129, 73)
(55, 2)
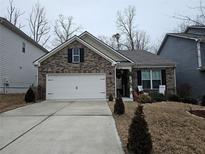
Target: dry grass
(173, 130)
(11, 101)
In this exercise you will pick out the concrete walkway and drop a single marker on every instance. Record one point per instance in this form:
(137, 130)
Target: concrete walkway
(59, 128)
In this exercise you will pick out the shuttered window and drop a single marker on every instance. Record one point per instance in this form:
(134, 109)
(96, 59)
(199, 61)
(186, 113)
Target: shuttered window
(151, 79)
(76, 55)
(146, 79)
(156, 78)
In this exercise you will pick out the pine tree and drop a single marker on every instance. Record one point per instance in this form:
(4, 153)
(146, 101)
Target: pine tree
(139, 139)
(30, 96)
(119, 107)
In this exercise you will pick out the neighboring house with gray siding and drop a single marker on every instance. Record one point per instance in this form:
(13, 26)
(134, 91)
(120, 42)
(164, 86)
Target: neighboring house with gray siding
(17, 53)
(188, 51)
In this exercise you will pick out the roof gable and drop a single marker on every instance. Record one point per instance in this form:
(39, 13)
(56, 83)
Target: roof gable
(104, 48)
(65, 44)
(19, 32)
(179, 35)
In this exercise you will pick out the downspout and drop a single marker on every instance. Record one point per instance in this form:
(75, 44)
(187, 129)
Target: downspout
(37, 77)
(37, 65)
(199, 53)
(115, 81)
(115, 68)
(175, 81)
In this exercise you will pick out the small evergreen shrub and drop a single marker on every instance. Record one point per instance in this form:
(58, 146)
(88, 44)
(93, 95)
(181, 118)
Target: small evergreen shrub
(139, 139)
(203, 101)
(157, 97)
(144, 99)
(189, 100)
(30, 96)
(174, 98)
(119, 107)
(110, 98)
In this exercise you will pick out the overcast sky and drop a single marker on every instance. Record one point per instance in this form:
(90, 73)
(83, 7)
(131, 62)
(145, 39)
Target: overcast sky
(99, 16)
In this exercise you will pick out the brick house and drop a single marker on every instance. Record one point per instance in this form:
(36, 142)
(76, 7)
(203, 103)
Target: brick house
(86, 68)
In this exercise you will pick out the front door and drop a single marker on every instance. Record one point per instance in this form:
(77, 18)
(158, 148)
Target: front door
(123, 87)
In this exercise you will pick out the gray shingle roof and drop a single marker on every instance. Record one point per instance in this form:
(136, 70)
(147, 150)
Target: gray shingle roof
(145, 58)
(194, 27)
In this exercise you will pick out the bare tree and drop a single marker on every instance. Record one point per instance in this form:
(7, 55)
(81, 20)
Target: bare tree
(64, 28)
(132, 39)
(38, 24)
(198, 19)
(125, 23)
(142, 40)
(13, 14)
(111, 41)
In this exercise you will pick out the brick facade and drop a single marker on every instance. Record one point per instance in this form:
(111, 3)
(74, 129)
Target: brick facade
(170, 79)
(93, 63)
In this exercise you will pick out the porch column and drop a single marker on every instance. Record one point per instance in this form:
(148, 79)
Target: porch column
(130, 81)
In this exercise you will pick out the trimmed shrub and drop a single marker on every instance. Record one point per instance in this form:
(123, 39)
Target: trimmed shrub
(119, 107)
(110, 98)
(157, 97)
(184, 90)
(203, 101)
(144, 99)
(139, 139)
(30, 96)
(189, 100)
(174, 98)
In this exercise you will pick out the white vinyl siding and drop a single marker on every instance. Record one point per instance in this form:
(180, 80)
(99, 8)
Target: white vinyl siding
(17, 67)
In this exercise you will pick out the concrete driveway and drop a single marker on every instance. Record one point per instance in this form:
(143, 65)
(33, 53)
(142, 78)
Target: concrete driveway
(59, 128)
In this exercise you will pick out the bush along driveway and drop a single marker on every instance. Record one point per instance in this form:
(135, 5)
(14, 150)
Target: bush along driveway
(59, 127)
(172, 128)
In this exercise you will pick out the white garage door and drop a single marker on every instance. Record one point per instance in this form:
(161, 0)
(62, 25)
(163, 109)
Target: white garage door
(76, 86)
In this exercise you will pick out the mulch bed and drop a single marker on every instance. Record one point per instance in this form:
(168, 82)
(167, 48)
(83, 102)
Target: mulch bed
(199, 113)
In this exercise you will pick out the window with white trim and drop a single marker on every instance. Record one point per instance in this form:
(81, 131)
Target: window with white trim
(151, 79)
(146, 84)
(76, 55)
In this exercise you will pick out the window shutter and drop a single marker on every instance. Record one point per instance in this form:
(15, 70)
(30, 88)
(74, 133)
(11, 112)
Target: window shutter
(70, 55)
(163, 72)
(81, 54)
(139, 78)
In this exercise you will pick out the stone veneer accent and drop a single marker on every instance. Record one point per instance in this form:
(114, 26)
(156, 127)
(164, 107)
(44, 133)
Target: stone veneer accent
(93, 63)
(170, 79)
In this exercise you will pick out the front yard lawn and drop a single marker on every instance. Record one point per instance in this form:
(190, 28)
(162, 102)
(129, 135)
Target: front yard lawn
(11, 101)
(173, 130)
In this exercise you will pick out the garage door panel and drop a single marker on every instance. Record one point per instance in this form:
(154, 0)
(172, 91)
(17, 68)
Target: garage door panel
(76, 86)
